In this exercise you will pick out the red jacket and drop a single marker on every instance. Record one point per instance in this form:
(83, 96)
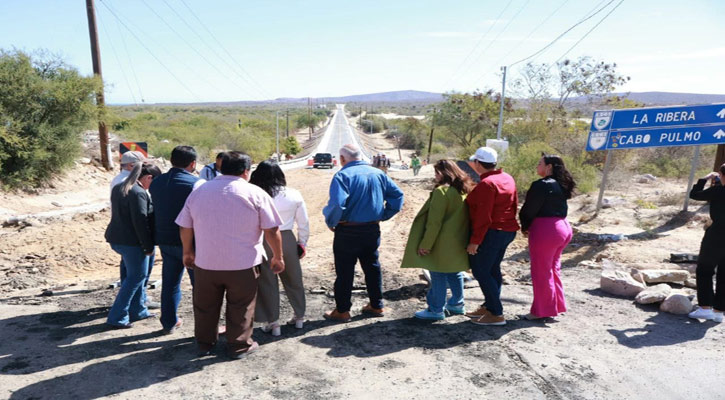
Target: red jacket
(492, 205)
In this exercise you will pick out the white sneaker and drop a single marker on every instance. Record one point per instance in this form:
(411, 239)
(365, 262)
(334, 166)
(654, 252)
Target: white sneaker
(704, 313)
(298, 322)
(717, 316)
(272, 327)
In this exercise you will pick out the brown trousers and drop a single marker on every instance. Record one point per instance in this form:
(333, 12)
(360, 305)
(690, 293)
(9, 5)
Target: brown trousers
(267, 309)
(241, 292)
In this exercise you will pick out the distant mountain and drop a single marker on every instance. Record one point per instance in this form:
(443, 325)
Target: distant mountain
(666, 98)
(385, 97)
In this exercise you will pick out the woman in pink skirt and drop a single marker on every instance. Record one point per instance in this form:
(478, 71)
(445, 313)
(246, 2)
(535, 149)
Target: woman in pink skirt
(543, 218)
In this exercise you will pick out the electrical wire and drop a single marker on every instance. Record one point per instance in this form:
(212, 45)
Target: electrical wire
(130, 64)
(118, 61)
(223, 59)
(231, 57)
(150, 52)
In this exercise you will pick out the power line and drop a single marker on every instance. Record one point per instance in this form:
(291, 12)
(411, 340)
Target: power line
(130, 64)
(563, 33)
(502, 31)
(189, 44)
(125, 78)
(149, 50)
(478, 43)
(590, 31)
(223, 59)
(224, 48)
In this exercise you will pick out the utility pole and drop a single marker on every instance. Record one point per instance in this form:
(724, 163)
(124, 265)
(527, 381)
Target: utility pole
(503, 97)
(278, 157)
(430, 139)
(719, 157)
(288, 122)
(309, 116)
(100, 102)
(397, 141)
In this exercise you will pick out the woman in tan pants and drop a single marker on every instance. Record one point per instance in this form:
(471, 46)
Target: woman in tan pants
(292, 209)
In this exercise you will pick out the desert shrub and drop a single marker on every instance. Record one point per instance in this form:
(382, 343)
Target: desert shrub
(44, 106)
(378, 124)
(291, 146)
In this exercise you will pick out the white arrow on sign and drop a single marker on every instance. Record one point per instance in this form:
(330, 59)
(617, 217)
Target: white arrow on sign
(721, 114)
(719, 134)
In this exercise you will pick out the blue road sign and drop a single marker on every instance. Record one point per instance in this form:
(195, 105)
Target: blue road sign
(657, 127)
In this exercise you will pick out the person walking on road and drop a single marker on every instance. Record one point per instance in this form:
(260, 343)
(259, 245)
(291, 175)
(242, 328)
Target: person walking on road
(543, 218)
(130, 233)
(492, 211)
(223, 244)
(169, 192)
(360, 197)
(438, 238)
(291, 207)
(415, 164)
(711, 304)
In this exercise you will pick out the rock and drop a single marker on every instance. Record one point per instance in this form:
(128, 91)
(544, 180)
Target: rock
(620, 283)
(664, 275)
(691, 268)
(85, 160)
(610, 202)
(653, 294)
(646, 178)
(676, 303)
(642, 266)
(589, 264)
(691, 283)
(55, 203)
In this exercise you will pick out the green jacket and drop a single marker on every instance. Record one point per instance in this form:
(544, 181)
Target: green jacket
(441, 226)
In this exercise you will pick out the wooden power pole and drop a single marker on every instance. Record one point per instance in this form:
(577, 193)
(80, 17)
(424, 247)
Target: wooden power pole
(719, 157)
(100, 102)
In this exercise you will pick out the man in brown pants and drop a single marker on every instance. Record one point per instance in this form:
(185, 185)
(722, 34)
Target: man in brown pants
(221, 228)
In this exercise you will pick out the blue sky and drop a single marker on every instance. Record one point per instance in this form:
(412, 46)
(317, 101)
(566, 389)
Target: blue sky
(335, 48)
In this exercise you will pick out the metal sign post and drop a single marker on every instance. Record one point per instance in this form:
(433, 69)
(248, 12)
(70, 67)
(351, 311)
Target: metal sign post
(607, 163)
(695, 159)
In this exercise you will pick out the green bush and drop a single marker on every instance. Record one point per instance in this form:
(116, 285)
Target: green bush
(379, 124)
(44, 106)
(291, 146)
(520, 162)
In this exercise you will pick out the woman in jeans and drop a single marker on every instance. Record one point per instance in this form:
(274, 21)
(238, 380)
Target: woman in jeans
(543, 218)
(292, 209)
(712, 252)
(438, 239)
(130, 235)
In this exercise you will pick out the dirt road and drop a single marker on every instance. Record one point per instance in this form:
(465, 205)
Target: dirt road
(603, 348)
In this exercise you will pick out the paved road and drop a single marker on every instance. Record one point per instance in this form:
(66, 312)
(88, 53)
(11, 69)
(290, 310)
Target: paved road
(338, 133)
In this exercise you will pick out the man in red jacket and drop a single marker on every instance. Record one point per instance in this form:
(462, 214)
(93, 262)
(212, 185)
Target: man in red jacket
(492, 211)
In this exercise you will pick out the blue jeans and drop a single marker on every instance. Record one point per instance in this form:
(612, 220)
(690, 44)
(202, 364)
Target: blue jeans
(353, 243)
(129, 304)
(486, 267)
(172, 271)
(146, 282)
(439, 284)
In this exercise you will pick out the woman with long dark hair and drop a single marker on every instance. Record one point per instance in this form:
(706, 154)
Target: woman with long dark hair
(543, 218)
(438, 239)
(291, 207)
(130, 234)
(712, 252)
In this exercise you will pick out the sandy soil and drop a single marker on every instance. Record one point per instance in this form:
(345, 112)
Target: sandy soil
(604, 347)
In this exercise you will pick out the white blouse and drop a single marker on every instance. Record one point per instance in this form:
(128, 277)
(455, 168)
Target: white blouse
(291, 207)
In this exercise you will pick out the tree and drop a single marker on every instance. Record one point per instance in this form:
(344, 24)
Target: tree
(44, 106)
(291, 146)
(468, 118)
(587, 77)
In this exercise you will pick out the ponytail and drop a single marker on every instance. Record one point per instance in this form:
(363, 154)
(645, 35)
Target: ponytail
(132, 178)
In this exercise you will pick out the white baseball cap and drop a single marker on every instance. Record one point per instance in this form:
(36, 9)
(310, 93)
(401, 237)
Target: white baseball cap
(485, 154)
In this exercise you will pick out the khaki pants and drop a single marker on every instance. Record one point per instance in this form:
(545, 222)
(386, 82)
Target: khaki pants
(210, 287)
(267, 309)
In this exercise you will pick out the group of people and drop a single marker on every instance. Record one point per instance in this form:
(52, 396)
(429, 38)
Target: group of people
(233, 233)
(381, 161)
(469, 226)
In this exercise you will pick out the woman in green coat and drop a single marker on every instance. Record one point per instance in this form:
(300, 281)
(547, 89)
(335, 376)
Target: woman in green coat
(438, 239)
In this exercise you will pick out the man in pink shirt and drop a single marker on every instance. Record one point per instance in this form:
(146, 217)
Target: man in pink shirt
(221, 227)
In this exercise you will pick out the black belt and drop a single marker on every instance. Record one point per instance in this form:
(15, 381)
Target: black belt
(348, 223)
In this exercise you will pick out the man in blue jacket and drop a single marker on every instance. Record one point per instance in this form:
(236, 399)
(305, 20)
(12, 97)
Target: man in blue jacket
(360, 197)
(169, 192)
